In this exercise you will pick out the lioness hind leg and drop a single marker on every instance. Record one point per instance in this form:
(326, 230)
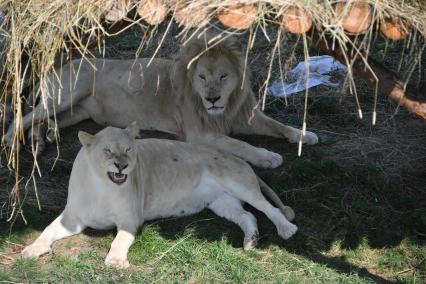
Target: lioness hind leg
(285, 229)
(62, 227)
(248, 191)
(231, 208)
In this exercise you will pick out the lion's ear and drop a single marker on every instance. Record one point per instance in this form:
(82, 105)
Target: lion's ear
(133, 129)
(85, 138)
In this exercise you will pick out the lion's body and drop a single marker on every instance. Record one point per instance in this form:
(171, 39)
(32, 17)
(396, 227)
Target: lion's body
(162, 178)
(169, 96)
(123, 91)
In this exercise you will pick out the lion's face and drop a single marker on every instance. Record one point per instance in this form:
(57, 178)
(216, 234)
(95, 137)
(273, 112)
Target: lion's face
(112, 153)
(214, 80)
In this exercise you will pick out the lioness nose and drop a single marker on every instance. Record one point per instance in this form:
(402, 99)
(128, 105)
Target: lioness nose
(213, 100)
(120, 167)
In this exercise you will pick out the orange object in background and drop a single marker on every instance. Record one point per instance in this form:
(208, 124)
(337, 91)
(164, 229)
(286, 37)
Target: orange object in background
(296, 20)
(238, 16)
(395, 29)
(356, 17)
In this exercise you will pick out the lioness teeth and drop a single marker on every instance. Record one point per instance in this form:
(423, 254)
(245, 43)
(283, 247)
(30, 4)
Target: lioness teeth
(118, 178)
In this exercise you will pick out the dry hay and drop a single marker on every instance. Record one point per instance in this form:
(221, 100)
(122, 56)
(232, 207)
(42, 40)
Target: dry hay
(39, 35)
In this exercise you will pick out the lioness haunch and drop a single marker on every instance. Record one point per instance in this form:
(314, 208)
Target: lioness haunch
(118, 181)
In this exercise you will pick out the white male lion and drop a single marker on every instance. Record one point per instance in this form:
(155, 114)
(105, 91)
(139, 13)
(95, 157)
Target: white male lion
(202, 96)
(117, 181)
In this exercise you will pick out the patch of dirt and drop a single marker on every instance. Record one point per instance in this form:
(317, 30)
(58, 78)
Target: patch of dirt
(9, 255)
(73, 246)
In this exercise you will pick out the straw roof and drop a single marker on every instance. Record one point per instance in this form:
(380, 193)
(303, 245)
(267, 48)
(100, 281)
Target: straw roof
(41, 29)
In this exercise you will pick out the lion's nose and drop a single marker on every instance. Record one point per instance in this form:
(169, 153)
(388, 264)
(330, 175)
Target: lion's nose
(213, 100)
(120, 167)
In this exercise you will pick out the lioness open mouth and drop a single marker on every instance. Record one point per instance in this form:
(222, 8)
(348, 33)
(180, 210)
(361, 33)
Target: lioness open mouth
(117, 178)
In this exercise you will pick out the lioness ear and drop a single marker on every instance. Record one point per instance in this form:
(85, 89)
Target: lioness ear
(133, 129)
(85, 138)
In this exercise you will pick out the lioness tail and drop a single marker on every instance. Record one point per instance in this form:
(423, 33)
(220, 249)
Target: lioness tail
(269, 192)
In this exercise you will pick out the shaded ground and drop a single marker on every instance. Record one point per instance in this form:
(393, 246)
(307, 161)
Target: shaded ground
(359, 196)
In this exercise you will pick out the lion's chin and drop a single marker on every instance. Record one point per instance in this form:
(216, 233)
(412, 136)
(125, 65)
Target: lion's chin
(117, 178)
(215, 110)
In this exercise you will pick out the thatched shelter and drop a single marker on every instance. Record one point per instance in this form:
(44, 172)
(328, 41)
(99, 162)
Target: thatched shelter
(37, 36)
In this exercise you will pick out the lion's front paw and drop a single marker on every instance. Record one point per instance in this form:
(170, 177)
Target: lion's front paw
(116, 262)
(35, 250)
(310, 138)
(269, 160)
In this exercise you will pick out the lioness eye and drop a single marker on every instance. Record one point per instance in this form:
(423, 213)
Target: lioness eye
(128, 149)
(108, 151)
(223, 76)
(202, 77)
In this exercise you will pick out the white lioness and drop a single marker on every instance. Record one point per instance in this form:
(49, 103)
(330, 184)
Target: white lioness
(117, 181)
(202, 96)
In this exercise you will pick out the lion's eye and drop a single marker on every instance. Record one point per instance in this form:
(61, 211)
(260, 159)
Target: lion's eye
(108, 151)
(128, 149)
(223, 76)
(202, 77)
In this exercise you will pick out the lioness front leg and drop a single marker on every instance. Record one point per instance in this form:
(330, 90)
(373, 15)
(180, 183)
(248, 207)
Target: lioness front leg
(117, 255)
(264, 125)
(63, 226)
(257, 156)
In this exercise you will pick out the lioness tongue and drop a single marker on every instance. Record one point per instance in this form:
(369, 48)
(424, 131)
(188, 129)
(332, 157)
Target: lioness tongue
(118, 176)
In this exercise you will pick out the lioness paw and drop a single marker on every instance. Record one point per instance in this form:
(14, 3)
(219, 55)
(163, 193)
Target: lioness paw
(287, 231)
(117, 262)
(250, 242)
(35, 250)
(269, 160)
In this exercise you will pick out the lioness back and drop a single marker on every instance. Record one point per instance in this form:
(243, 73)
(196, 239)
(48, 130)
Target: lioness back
(183, 155)
(175, 165)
